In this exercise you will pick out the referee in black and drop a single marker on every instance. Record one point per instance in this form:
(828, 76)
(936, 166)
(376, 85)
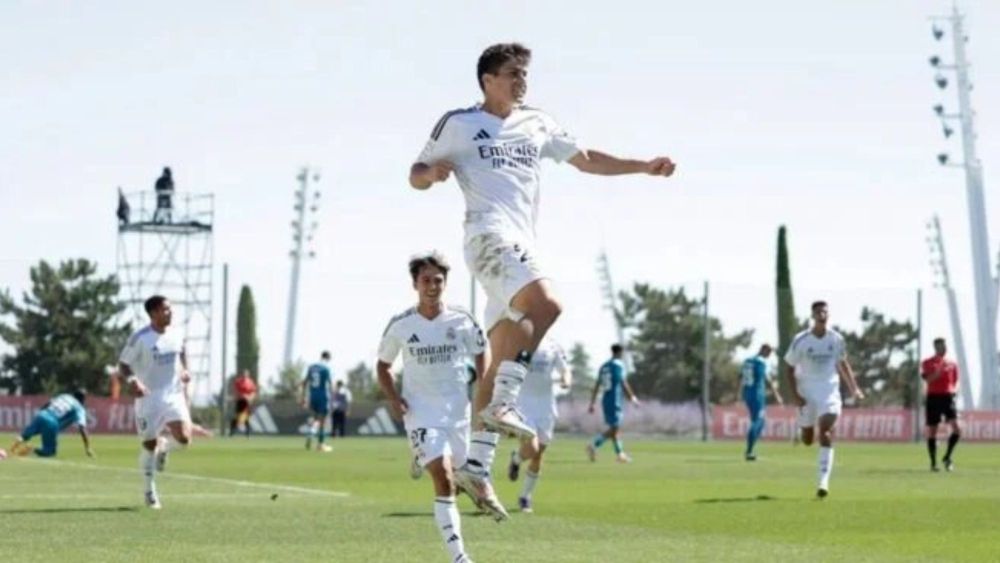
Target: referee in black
(941, 376)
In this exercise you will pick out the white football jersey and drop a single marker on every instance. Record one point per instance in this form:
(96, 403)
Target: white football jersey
(436, 357)
(497, 164)
(815, 359)
(547, 364)
(155, 359)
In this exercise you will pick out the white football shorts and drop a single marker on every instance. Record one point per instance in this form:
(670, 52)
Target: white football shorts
(152, 414)
(503, 266)
(821, 398)
(432, 443)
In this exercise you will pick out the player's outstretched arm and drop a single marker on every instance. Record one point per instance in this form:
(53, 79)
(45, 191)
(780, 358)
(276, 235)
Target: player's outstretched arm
(423, 176)
(86, 442)
(596, 162)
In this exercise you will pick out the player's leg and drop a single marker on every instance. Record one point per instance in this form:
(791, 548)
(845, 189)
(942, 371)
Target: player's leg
(177, 419)
(21, 446)
(930, 433)
(534, 309)
(321, 415)
(525, 451)
(807, 422)
(148, 424)
(545, 434)
(446, 515)
(619, 445)
(50, 437)
(827, 421)
(310, 430)
(951, 417)
(754, 429)
(598, 441)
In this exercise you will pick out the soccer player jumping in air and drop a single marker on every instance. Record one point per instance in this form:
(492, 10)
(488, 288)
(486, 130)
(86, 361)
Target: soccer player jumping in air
(495, 149)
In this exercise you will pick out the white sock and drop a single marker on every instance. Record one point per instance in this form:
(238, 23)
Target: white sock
(825, 467)
(507, 384)
(516, 458)
(530, 482)
(147, 466)
(483, 449)
(448, 523)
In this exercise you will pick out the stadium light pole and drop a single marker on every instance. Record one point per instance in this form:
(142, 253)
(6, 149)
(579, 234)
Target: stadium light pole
(306, 205)
(611, 302)
(706, 373)
(985, 286)
(942, 280)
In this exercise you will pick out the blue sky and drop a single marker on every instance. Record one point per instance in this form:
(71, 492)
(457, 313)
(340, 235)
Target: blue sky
(777, 112)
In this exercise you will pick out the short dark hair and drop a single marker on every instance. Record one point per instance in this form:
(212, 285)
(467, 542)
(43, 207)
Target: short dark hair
(433, 258)
(617, 349)
(80, 395)
(154, 303)
(495, 56)
(938, 340)
(817, 304)
(325, 355)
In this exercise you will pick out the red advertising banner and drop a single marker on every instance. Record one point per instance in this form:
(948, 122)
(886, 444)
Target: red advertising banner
(874, 425)
(104, 416)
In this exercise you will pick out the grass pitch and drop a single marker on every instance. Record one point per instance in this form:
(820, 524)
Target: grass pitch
(679, 501)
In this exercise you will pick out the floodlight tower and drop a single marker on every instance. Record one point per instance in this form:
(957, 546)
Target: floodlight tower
(306, 206)
(985, 285)
(611, 303)
(165, 247)
(942, 280)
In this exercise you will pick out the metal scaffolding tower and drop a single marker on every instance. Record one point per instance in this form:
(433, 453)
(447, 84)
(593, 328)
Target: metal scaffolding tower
(169, 251)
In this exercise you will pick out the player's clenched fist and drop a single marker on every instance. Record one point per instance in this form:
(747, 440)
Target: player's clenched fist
(440, 171)
(660, 166)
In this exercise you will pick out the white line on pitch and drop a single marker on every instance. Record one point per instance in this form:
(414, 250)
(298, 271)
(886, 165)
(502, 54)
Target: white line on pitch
(203, 478)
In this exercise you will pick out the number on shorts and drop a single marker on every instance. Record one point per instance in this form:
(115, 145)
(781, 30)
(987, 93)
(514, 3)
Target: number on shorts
(417, 437)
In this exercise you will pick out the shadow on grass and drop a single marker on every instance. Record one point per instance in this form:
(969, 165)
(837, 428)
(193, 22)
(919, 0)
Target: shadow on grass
(735, 499)
(429, 515)
(66, 510)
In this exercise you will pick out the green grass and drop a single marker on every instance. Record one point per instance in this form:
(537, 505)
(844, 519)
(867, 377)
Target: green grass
(678, 501)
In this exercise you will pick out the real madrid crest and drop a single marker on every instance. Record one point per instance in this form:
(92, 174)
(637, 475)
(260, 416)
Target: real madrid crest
(450, 333)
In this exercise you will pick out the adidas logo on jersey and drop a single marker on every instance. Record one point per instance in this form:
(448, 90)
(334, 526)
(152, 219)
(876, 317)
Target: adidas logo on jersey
(413, 339)
(481, 135)
(379, 423)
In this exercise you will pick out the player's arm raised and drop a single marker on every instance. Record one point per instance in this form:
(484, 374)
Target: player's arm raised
(388, 385)
(597, 162)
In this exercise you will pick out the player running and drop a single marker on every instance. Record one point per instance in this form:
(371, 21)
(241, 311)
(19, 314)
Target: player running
(436, 340)
(495, 149)
(754, 380)
(611, 378)
(61, 412)
(319, 381)
(155, 369)
(817, 360)
(538, 403)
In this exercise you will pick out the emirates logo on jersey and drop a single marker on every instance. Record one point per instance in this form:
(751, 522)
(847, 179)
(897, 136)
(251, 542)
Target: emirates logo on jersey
(510, 155)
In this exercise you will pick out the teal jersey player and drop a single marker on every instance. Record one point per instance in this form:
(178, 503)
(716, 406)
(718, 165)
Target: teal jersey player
(611, 378)
(319, 382)
(754, 382)
(61, 412)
